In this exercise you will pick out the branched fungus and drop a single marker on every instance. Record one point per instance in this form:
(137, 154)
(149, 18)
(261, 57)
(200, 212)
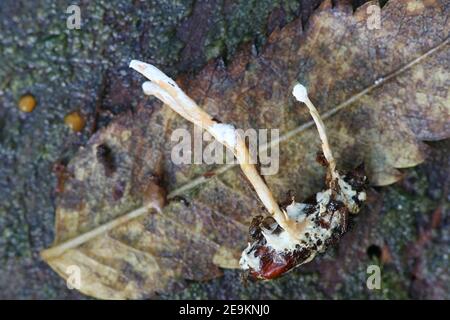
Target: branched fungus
(288, 236)
(166, 90)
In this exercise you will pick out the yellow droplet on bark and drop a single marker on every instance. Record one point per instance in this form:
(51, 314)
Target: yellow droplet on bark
(75, 121)
(27, 103)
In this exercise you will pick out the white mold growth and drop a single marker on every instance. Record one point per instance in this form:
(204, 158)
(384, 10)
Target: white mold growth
(224, 133)
(249, 260)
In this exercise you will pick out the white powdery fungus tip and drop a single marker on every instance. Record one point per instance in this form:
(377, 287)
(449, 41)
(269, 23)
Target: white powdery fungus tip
(300, 92)
(225, 133)
(151, 72)
(136, 65)
(140, 67)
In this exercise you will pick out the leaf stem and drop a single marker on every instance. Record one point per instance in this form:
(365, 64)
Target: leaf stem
(59, 249)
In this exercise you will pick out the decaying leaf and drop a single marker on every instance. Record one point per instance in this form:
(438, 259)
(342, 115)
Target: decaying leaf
(382, 91)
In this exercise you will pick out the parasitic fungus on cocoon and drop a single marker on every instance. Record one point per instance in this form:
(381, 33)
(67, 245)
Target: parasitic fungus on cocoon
(286, 237)
(274, 251)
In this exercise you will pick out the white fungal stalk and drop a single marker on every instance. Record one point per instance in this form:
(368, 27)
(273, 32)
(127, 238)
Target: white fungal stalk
(300, 93)
(166, 90)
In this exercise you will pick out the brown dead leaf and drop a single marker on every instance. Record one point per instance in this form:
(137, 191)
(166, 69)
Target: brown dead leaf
(381, 92)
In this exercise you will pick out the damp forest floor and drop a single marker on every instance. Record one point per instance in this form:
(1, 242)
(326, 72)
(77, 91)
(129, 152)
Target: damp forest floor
(405, 230)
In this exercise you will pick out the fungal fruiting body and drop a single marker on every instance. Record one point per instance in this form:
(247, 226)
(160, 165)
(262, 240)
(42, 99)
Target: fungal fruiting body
(272, 250)
(287, 237)
(166, 90)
